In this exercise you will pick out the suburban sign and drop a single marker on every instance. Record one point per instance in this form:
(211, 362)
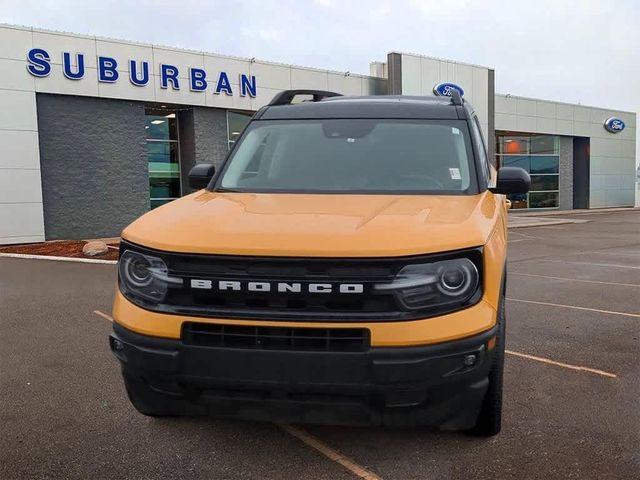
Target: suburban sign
(109, 71)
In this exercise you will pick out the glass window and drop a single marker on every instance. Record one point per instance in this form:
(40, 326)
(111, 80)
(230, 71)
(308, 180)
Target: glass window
(160, 127)
(510, 145)
(538, 155)
(544, 164)
(162, 149)
(544, 182)
(515, 161)
(366, 155)
(545, 144)
(236, 121)
(543, 199)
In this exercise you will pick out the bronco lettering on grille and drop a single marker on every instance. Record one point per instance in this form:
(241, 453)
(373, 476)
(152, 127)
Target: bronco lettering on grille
(281, 287)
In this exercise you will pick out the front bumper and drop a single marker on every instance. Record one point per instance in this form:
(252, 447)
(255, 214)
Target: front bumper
(439, 385)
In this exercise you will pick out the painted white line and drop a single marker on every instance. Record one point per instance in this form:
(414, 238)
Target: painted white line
(629, 254)
(330, 453)
(561, 364)
(589, 263)
(58, 259)
(103, 315)
(525, 235)
(575, 280)
(575, 307)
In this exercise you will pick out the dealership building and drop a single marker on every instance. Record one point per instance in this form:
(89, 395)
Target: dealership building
(96, 131)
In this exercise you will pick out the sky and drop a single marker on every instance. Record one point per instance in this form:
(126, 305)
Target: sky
(577, 51)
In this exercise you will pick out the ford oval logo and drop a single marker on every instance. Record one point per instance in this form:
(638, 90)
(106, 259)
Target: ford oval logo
(614, 125)
(444, 89)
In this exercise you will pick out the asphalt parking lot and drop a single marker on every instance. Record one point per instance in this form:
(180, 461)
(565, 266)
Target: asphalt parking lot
(571, 388)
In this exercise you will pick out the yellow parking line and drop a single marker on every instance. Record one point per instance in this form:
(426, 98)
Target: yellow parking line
(330, 453)
(609, 312)
(103, 315)
(560, 364)
(575, 280)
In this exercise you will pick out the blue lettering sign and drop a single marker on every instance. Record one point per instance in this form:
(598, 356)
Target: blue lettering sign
(107, 70)
(248, 85)
(223, 84)
(67, 69)
(444, 89)
(39, 65)
(614, 125)
(197, 80)
(169, 72)
(133, 73)
(74, 68)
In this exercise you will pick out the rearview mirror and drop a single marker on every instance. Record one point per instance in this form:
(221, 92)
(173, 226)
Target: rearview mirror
(512, 180)
(200, 175)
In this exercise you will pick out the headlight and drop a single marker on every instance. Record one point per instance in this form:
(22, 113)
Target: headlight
(144, 276)
(437, 284)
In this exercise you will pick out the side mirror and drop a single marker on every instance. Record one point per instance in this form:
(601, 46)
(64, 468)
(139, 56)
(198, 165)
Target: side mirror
(200, 175)
(512, 180)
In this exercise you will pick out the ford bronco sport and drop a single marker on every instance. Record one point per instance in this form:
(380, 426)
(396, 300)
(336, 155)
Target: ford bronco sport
(346, 264)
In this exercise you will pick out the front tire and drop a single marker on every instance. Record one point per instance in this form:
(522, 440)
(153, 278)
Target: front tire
(489, 421)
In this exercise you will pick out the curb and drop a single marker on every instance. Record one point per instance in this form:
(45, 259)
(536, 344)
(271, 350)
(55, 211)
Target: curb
(58, 259)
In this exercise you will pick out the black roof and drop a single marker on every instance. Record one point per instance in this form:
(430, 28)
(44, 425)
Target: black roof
(374, 106)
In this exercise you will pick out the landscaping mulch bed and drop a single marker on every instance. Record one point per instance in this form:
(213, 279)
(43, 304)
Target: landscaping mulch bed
(61, 248)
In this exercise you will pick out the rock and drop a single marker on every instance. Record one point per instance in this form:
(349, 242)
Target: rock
(95, 248)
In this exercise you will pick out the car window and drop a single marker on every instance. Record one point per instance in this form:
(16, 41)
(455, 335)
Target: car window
(351, 155)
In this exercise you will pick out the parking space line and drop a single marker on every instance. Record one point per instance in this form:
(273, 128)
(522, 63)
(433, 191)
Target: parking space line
(561, 364)
(589, 263)
(575, 280)
(330, 453)
(103, 315)
(575, 307)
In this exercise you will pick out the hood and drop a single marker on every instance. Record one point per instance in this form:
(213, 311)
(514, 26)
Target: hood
(318, 225)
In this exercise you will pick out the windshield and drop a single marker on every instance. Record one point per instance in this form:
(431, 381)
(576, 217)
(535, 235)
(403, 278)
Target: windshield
(352, 156)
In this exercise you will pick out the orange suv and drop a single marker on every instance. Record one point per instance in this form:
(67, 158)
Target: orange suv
(346, 264)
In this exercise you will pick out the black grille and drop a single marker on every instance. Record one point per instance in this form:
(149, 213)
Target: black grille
(277, 338)
(369, 305)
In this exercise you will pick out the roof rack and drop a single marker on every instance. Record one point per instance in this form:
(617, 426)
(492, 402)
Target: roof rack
(456, 98)
(287, 96)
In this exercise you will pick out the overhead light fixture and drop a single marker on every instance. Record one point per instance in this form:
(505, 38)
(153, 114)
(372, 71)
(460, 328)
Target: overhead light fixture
(157, 122)
(235, 133)
(163, 106)
(171, 115)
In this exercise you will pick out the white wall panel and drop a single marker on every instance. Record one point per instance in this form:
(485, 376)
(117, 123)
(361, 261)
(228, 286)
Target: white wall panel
(564, 111)
(19, 149)
(346, 85)
(271, 76)
(15, 42)
(18, 110)
(411, 75)
(429, 75)
(303, 78)
(15, 76)
(546, 125)
(526, 107)
(20, 186)
(21, 222)
(546, 109)
(506, 104)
